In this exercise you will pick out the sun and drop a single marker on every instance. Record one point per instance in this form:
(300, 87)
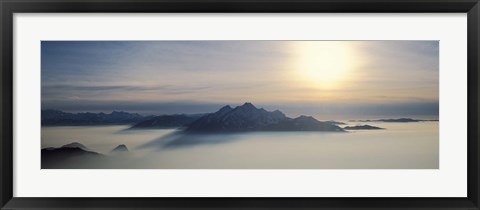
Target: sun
(323, 64)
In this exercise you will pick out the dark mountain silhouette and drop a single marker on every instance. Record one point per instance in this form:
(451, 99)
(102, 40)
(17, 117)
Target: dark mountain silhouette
(401, 120)
(75, 145)
(66, 155)
(59, 118)
(249, 118)
(167, 121)
(302, 123)
(120, 148)
(242, 118)
(362, 127)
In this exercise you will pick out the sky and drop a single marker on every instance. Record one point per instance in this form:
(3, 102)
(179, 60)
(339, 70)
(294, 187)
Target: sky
(330, 79)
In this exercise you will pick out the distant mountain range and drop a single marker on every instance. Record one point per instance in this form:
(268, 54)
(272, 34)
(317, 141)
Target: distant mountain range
(249, 118)
(60, 118)
(362, 127)
(55, 117)
(227, 119)
(335, 122)
(241, 118)
(402, 120)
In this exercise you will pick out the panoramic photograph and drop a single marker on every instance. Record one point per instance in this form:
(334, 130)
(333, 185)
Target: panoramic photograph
(246, 104)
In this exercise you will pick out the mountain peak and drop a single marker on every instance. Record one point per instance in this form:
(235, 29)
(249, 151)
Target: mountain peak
(249, 118)
(120, 148)
(249, 105)
(75, 145)
(226, 108)
(305, 117)
(122, 113)
(243, 118)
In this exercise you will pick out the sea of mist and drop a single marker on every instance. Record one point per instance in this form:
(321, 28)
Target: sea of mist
(399, 146)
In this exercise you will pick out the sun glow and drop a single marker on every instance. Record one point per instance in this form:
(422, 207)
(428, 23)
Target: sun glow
(324, 64)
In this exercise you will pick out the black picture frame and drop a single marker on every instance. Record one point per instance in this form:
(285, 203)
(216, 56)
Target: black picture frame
(9, 7)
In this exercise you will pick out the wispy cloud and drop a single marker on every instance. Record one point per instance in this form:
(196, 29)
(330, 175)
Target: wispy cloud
(146, 75)
(122, 88)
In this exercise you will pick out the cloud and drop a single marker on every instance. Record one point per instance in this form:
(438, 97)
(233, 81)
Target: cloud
(58, 91)
(197, 76)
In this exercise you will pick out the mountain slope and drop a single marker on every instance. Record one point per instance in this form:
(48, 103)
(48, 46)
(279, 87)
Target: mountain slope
(242, 118)
(75, 145)
(166, 121)
(302, 123)
(120, 149)
(249, 118)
